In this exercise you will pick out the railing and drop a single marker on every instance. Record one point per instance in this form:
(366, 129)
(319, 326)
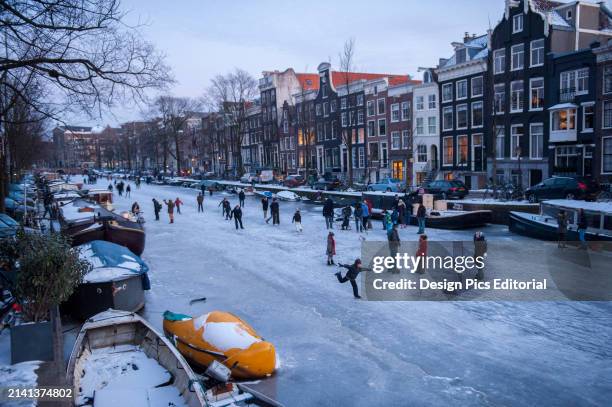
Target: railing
(567, 94)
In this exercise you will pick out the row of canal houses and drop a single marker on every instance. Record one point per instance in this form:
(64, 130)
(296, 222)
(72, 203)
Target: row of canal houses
(529, 99)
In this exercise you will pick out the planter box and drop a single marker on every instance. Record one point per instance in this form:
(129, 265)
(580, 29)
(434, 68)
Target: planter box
(32, 342)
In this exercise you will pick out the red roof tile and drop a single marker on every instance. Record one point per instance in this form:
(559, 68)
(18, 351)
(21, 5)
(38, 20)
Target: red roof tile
(310, 81)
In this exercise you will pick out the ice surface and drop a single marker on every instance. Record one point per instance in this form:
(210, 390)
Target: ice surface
(339, 351)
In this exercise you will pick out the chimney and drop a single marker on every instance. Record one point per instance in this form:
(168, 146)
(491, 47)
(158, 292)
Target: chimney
(466, 37)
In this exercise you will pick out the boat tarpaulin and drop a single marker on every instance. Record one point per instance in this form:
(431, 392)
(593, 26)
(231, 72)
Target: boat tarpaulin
(112, 260)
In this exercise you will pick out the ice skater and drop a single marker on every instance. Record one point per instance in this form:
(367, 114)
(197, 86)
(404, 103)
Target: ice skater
(328, 213)
(156, 208)
(200, 200)
(331, 248)
(128, 189)
(351, 275)
(170, 204)
(561, 229)
(264, 206)
(241, 197)
(178, 203)
(346, 216)
(480, 250)
(275, 212)
(421, 253)
(358, 213)
(237, 213)
(297, 220)
(227, 208)
(421, 215)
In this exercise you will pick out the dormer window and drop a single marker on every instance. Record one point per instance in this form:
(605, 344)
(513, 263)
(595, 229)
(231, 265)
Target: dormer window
(517, 23)
(461, 55)
(568, 15)
(427, 77)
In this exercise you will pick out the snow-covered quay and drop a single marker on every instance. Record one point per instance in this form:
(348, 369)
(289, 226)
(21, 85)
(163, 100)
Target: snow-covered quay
(335, 350)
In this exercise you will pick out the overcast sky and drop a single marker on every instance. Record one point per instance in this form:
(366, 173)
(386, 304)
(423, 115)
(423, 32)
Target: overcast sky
(205, 38)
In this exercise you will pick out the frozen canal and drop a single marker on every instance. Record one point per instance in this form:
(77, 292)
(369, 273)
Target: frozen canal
(335, 350)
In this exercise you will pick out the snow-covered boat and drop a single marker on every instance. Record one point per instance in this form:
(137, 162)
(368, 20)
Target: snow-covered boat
(544, 225)
(455, 220)
(117, 280)
(266, 194)
(287, 196)
(119, 359)
(222, 337)
(85, 222)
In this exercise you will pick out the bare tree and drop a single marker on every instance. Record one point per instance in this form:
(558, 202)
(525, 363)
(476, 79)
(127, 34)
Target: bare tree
(347, 66)
(175, 113)
(231, 95)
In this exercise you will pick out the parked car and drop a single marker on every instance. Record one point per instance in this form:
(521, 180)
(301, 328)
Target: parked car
(564, 187)
(328, 182)
(208, 184)
(447, 189)
(249, 177)
(387, 185)
(293, 181)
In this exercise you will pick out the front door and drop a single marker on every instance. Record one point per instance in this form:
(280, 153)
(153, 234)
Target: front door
(398, 170)
(477, 152)
(587, 164)
(535, 177)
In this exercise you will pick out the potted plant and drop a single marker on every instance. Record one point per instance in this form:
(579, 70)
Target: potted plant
(46, 271)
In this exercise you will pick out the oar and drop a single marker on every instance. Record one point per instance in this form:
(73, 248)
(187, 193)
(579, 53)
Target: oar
(197, 300)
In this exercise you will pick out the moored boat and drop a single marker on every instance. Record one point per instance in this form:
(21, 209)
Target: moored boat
(544, 225)
(222, 337)
(120, 359)
(117, 280)
(455, 220)
(287, 196)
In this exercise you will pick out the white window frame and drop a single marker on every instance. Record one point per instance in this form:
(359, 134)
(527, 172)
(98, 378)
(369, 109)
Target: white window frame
(461, 82)
(474, 126)
(432, 102)
(429, 125)
(467, 116)
(405, 107)
(516, 19)
(378, 106)
(603, 146)
(520, 101)
(467, 147)
(531, 49)
(567, 118)
(444, 163)
(499, 54)
(513, 155)
(603, 115)
(420, 129)
(395, 108)
(452, 124)
(396, 135)
(481, 87)
(513, 55)
(374, 129)
(406, 139)
(531, 108)
(368, 104)
(419, 153)
(584, 106)
(500, 133)
(343, 103)
(449, 86)
(531, 155)
(344, 119)
(378, 128)
(607, 72)
(495, 111)
(420, 103)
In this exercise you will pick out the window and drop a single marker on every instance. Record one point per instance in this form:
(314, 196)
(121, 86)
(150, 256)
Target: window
(359, 100)
(607, 79)
(381, 106)
(517, 23)
(588, 117)
(419, 126)
(499, 61)
(325, 109)
(563, 120)
(405, 139)
(405, 110)
(319, 131)
(516, 132)
(447, 92)
(574, 83)
(432, 102)
(462, 150)
(516, 96)
(518, 56)
(477, 86)
(582, 81)
(384, 155)
(461, 55)
(395, 112)
(606, 155)
(536, 94)
(499, 98)
(607, 115)
(370, 107)
(344, 119)
(432, 124)
(360, 117)
(343, 103)
(361, 157)
(373, 148)
(462, 89)
(447, 118)
(536, 140)
(395, 140)
(477, 114)
(382, 127)
(371, 128)
(420, 103)
(566, 158)
(447, 147)
(568, 14)
(500, 142)
(537, 53)
(462, 117)
(318, 109)
(324, 89)
(421, 153)
(333, 106)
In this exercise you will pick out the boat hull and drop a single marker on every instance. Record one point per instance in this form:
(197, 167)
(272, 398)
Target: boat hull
(132, 238)
(523, 223)
(463, 220)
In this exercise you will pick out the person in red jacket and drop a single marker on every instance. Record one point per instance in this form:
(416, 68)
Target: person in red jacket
(331, 248)
(369, 204)
(422, 253)
(178, 204)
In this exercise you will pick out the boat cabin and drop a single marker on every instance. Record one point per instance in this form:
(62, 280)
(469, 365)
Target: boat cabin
(598, 214)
